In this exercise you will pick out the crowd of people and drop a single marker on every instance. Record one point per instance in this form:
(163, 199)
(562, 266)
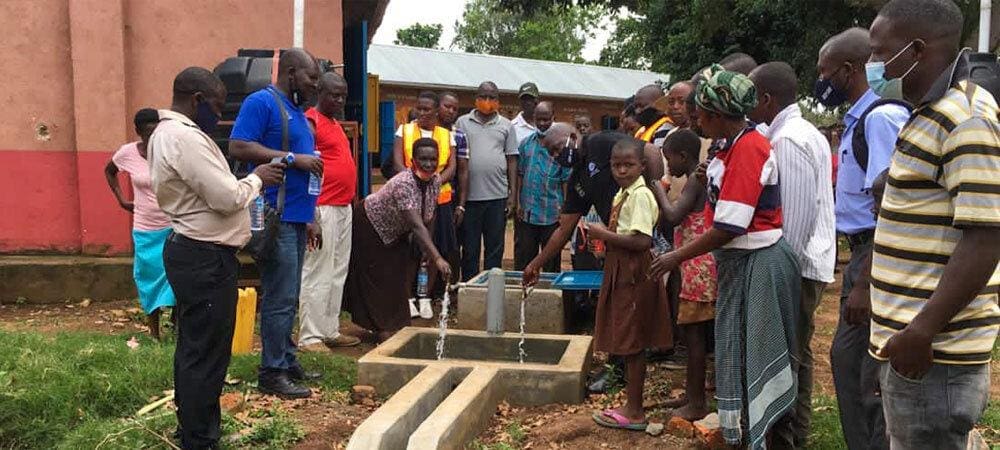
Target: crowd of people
(710, 210)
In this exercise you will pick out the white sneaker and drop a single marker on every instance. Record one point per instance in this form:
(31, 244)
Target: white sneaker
(413, 308)
(426, 312)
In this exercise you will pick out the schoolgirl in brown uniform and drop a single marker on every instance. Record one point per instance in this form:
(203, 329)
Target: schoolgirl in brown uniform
(631, 304)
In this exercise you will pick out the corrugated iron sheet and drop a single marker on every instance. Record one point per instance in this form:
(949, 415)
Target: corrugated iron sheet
(411, 66)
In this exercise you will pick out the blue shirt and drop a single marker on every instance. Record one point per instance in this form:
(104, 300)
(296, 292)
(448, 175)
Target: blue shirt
(542, 184)
(853, 207)
(259, 121)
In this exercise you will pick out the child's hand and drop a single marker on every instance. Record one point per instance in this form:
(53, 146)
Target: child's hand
(663, 264)
(596, 230)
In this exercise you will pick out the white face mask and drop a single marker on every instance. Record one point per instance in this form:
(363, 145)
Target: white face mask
(887, 88)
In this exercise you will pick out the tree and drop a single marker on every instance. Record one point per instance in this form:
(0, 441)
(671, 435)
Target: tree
(554, 33)
(680, 38)
(419, 35)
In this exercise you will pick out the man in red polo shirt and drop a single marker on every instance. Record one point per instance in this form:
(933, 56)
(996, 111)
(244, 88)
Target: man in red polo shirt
(329, 253)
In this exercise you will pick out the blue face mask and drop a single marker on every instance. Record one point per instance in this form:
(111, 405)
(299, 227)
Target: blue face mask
(206, 118)
(887, 88)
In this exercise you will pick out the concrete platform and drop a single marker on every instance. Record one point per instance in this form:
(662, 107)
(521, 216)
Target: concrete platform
(477, 372)
(43, 279)
(546, 310)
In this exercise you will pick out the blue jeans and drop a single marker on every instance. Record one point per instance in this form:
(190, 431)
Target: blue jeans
(484, 223)
(936, 411)
(280, 281)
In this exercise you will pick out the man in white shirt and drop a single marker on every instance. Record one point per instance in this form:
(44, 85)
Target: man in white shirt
(524, 123)
(804, 168)
(207, 207)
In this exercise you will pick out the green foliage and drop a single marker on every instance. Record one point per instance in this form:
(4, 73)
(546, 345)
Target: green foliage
(420, 35)
(554, 33)
(682, 37)
(77, 390)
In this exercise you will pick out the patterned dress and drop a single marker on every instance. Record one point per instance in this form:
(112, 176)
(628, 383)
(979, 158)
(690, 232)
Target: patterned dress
(700, 280)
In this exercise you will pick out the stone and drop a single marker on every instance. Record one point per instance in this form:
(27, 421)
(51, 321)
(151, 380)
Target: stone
(232, 402)
(654, 429)
(363, 395)
(710, 421)
(679, 427)
(713, 440)
(976, 441)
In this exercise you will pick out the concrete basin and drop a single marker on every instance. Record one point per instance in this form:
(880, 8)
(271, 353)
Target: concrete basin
(443, 404)
(545, 310)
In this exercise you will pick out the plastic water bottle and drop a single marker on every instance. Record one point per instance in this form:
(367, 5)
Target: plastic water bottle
(257, 214)
(315, 181)
(598, 244)
(423, 278)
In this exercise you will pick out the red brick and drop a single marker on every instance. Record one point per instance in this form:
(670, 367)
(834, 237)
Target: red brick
(680, 428)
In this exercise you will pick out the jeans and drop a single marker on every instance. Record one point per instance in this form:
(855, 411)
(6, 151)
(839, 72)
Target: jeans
(484, 223)
(936, 411)
(280, 281)
(529, 239)
(203, 277)
(855, 372)
(323, 275)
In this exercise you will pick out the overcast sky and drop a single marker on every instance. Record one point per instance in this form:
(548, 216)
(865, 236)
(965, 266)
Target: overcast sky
(403, 13)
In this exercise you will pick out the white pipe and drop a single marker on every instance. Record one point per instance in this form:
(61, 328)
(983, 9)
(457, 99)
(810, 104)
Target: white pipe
(984, 25)
(298, 22)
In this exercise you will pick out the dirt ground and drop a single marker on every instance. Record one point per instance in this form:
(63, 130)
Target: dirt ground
(329, 419)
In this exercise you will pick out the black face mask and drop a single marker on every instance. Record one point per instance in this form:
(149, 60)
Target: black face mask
(827, 93)
(205, 118)
(648, 116)
(567, 157)
(297, 97)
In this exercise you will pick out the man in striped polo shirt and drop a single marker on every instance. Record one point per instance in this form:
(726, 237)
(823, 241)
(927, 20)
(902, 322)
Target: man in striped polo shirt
(935, 281)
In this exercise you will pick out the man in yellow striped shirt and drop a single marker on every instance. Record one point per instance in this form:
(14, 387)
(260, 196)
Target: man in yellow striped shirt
(935, 281)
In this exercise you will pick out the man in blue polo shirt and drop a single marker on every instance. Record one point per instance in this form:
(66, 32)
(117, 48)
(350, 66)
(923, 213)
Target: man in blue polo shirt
(257, 138)
(841, 68)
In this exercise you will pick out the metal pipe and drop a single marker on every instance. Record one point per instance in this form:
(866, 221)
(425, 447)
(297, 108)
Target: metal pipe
(985, 7)
(298, 23)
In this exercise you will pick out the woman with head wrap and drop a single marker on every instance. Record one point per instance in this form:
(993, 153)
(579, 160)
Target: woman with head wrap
(758, 273)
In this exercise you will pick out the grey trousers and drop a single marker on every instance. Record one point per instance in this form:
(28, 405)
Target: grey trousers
(792, 431)
(938, 410)
(855, 372)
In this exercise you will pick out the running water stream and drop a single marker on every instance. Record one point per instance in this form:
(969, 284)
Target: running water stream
(443, 322)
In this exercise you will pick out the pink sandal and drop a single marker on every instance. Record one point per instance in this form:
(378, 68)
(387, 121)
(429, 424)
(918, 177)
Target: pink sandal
(613, 419)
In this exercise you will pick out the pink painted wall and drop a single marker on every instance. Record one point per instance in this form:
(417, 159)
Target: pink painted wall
(75, 73)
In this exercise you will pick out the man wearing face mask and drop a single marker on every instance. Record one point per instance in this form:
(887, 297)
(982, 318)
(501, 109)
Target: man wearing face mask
(257, 137)
(541, 183)
(935, 278)
(487, 169)
(207, 207)
(654, 123)
(842, 79)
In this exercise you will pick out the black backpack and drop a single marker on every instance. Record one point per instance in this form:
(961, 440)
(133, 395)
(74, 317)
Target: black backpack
(859, 145)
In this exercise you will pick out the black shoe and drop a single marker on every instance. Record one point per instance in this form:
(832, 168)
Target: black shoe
(297, 373)
(276, 382)
(602, 380)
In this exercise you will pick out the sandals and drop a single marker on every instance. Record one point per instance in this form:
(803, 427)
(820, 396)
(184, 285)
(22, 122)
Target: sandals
(613, 419)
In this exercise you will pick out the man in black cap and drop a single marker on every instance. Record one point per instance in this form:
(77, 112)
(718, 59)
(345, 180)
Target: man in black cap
(524, 123)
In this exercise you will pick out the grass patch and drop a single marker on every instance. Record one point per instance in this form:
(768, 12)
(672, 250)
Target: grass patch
(825, 433)
(77, 390)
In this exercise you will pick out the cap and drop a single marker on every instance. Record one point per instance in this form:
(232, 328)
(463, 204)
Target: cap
(528, 88)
